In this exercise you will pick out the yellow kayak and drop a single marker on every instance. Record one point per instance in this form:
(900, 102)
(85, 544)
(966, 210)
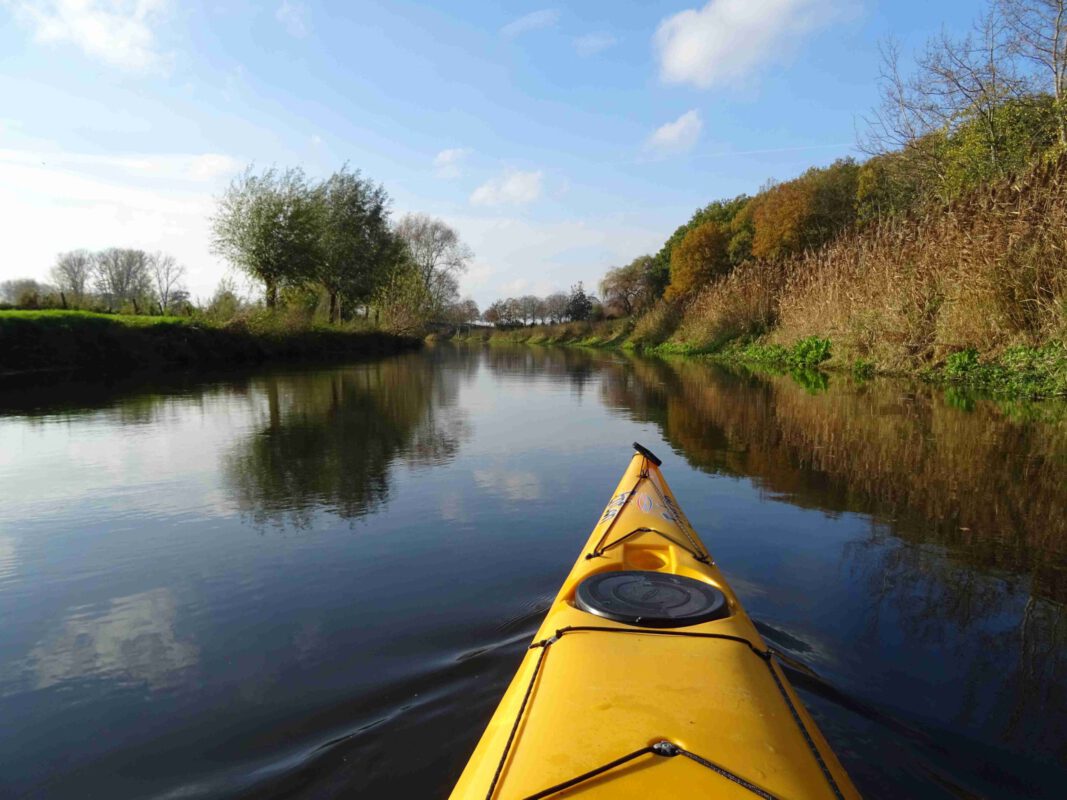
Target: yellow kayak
(647, 679)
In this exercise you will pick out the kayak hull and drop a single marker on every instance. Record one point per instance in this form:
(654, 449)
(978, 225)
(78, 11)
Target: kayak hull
(591, 690)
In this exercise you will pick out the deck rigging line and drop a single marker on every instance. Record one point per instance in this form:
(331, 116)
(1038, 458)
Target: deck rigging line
(663, 749)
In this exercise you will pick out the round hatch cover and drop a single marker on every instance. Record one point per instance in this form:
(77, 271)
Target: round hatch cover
(651, 599)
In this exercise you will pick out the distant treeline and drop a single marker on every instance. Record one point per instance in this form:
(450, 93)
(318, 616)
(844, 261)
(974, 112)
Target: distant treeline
(112, 280)
(530, 309)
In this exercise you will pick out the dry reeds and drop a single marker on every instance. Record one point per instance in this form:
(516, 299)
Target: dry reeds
(744, 303)
(986, 272)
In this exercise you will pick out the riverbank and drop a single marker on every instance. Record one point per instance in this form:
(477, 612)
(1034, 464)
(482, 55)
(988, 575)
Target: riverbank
(1022, 371)
(75, 340)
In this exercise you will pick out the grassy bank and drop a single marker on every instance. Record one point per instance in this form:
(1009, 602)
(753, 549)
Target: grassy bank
(40, 340)
(604, 333)
(1022, 371)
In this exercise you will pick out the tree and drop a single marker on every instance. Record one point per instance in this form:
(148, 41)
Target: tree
(959, 86)
(437, 255)
(225, 303)
(722, 211)
(166, 274)
(1038, 35)
(629, 289)
(403, 301)
(528, 304)
(463, 312)
(72, 273)
(494, 314)
(556, 306)
(805, 212)
(28, 293)
(541, 311)
(356, 244)
(269, 226)
(698, 259)
(122, 278)
(579, 304)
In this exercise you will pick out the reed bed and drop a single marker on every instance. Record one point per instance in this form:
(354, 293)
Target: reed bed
(986, 273)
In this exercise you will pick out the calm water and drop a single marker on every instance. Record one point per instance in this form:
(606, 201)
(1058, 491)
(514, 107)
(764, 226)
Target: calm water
(318, 583)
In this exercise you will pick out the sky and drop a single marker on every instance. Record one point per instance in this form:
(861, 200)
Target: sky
(558, 140)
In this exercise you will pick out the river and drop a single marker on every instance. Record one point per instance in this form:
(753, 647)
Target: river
(318, 582)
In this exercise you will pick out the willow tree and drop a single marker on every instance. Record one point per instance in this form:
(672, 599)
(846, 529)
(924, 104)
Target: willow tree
(269, 226)
(356, 245)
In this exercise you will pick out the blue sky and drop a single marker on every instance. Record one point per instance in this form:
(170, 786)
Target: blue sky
(558, 140)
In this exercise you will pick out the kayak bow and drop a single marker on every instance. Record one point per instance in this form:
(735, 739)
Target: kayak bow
(648, 680)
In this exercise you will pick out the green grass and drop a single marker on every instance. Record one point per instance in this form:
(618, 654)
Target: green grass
(34, 340)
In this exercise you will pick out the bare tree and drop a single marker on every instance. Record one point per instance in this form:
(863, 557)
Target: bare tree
(166, 274)
(437, 253)
(71, 274)
(956, 82)
(122, 277)
(528, 303)
(556, 306)
(1038, 34)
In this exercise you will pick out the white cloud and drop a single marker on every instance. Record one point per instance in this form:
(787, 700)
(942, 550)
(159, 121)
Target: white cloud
(728, 40)
(678, 136)
(316, 140)
(117, 32)
(294, 18)
(510, 189)
(535, 20)
(448, 163)
(593, 43)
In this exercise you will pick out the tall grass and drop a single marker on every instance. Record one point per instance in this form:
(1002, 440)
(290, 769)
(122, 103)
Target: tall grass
(742, 304)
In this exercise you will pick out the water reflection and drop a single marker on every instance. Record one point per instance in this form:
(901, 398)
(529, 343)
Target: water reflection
(989, 484)
(328, 440)
(132, 640)
(905, 545)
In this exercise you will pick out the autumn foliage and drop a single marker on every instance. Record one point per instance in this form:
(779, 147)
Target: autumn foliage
(698, 259)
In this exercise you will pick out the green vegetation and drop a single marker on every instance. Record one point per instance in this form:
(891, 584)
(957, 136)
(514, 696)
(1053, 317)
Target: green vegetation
(31, 340)
(1018, 371)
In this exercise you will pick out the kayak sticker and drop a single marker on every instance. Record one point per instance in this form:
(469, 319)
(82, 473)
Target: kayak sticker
(644, 502)
(616, 504)
(672, 512)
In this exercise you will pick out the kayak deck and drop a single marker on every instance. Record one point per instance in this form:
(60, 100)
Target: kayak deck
(606, 709)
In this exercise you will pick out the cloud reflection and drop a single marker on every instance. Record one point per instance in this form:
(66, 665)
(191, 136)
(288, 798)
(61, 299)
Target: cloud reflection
(132, 641)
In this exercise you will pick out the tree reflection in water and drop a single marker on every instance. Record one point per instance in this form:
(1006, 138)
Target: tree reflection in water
(329, 440)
